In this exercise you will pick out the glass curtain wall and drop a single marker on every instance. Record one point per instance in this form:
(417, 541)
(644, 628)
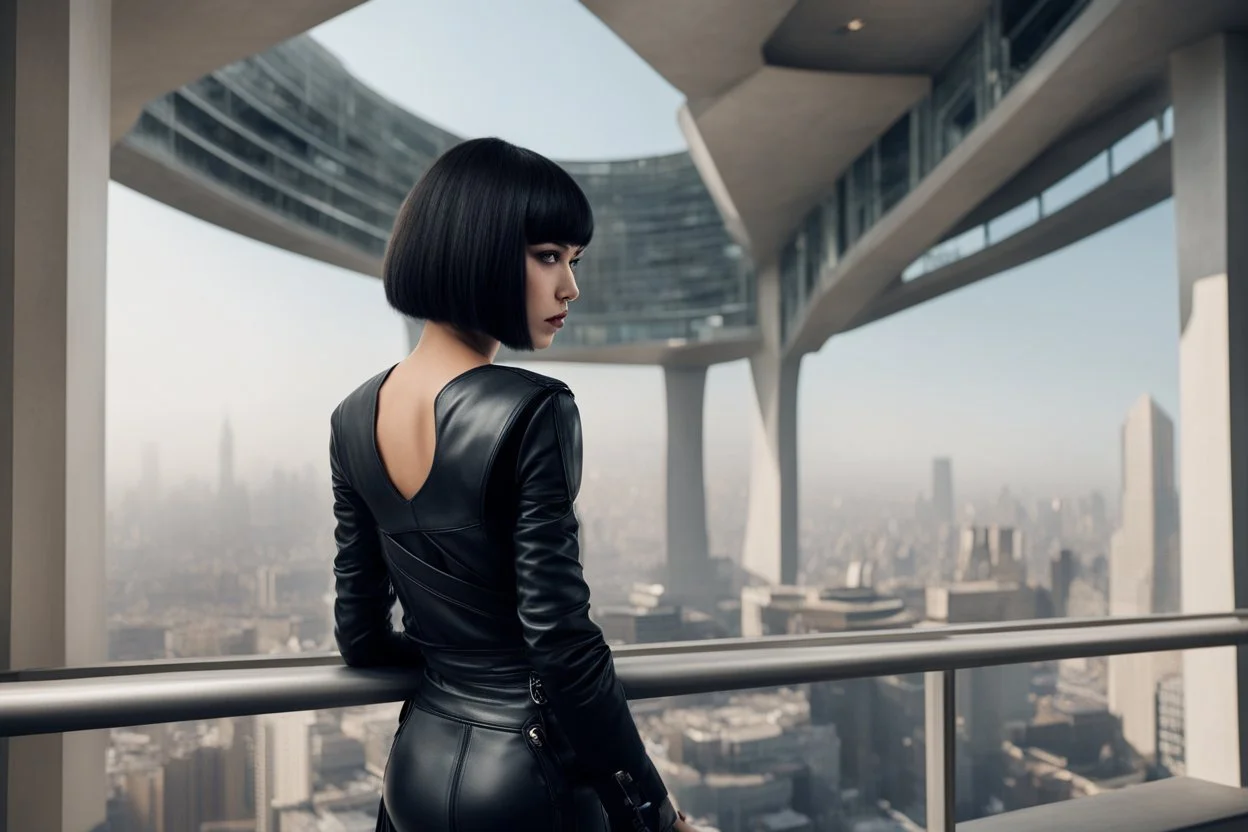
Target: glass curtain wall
(1011, 38)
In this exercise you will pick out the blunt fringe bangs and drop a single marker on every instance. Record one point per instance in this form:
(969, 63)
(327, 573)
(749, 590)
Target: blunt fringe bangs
(457, 252)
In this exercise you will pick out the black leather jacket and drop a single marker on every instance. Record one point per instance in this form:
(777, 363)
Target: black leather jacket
(485, 561)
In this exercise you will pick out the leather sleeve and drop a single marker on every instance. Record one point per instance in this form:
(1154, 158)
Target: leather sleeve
(567, 649)
(364, 594)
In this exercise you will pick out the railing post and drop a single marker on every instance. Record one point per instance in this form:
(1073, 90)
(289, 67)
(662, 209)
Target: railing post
(941, 740)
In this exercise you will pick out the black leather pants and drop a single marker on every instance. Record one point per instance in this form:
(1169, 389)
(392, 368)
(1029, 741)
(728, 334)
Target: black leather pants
(472, 759)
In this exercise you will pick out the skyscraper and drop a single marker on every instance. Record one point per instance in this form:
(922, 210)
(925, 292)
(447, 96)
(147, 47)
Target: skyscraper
(1144, 563)
(1062, 569)
(283, 764)
(942, 490)
(991, 553)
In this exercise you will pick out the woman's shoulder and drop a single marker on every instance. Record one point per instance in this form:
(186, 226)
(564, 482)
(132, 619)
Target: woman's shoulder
(502, 389)
(520, 379)
(357, 406)
(512, 394)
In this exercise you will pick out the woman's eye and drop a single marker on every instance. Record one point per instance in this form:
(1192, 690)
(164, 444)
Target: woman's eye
(576, 261)
(550, 258)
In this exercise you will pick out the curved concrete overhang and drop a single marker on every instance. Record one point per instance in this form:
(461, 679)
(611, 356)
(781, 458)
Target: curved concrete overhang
(231, 149)
(898, 36)
(783, 95)
(159, 45)
(1114, 50)
(775, 143)
(673, 353)
(204, 198)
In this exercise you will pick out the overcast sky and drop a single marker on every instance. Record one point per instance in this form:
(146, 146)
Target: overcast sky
(1023, 379)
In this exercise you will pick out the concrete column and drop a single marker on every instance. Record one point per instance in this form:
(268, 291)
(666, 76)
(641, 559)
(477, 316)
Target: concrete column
(688, 552)
(54, 171)
(1209, 83)
(771, 525)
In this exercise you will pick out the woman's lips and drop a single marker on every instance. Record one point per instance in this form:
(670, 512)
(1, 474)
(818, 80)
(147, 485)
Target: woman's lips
(557, 320)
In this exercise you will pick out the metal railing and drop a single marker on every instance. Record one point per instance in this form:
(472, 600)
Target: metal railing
(145, 693)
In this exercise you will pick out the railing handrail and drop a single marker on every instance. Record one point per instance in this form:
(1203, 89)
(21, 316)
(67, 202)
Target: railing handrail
(844, 637)
(150, 693)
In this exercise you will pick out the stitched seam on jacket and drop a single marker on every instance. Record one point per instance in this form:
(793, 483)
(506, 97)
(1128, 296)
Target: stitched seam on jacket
(424, 705)
(430, 589)
(453, 796)
(498, 444)
(443, 530)
(561, 441)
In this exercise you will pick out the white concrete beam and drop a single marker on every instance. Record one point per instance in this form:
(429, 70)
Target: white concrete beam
(771, 147)
(701, 47)
(688, 549)
(771, 545)
(184, 187)
(54, 158)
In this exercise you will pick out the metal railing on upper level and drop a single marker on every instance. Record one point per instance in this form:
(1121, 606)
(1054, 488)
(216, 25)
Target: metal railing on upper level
(144, 693)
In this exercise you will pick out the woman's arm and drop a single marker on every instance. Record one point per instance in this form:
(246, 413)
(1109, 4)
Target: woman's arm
(566, 648)
(364, 594)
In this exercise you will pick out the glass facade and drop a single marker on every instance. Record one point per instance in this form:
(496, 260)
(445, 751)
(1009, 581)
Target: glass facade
(1013, 35)
(1115, 160)
(293, 130)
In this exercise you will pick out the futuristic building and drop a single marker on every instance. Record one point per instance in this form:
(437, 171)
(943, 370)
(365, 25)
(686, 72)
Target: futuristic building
(320, 163)
(846, 161)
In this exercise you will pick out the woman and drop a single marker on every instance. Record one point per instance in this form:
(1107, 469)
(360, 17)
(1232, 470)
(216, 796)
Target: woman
(454, 481)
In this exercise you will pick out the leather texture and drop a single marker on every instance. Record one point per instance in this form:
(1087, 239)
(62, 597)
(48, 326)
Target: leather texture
(519, 722)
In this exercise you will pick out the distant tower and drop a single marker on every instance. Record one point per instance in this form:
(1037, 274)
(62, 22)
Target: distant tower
(225, 461)
(1062, 569)
(942, 490)
(1144, 565)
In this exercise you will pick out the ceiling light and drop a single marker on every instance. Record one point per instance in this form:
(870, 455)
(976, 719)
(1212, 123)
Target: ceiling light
(854, 25)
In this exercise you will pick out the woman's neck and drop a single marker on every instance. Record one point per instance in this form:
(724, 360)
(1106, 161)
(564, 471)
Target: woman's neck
(442, 339)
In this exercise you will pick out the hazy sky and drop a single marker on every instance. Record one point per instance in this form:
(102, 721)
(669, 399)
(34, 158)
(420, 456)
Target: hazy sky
(1023, 379)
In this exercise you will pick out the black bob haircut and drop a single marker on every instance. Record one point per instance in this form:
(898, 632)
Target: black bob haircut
(457, 253)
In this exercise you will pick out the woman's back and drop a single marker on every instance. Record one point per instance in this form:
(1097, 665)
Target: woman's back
(482, 554)
(446, 535)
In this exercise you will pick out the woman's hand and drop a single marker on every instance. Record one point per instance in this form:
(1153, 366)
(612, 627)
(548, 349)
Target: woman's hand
(683, 825)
